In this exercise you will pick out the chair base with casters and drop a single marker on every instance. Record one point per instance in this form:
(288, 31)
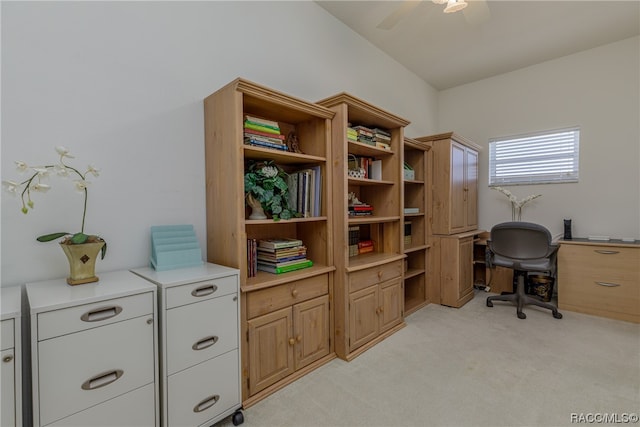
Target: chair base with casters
(523, 247)
(520, 298)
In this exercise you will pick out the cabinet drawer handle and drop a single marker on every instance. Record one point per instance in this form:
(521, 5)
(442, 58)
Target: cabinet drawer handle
(603, 252)
(206, 403)
(102, 313)
(102, 379)
(294, 293)
(7, 359)
(608, 285)
(205, 343)
(203, 291)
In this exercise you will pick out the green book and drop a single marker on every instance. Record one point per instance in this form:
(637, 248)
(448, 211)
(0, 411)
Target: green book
(262, 128)
(285, 269)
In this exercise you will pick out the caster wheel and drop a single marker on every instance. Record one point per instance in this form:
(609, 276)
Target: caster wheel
(557, 315)
(489, 303)
(521, 315)
(237, 418)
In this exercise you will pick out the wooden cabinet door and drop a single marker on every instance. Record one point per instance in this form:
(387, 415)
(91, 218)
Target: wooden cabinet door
(311, 330)
(270, 349)
(471, 186)
(457, 210)
(465, 283)
(363, 316)
(391, 299)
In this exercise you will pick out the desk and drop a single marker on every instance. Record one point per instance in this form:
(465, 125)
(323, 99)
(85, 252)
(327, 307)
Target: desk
(600, 278)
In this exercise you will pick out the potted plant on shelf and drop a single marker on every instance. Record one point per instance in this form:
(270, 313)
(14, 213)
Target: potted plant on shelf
(81, 249)
(266, 190)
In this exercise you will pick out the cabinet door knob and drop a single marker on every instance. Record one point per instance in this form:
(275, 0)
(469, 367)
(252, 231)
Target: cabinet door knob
(299, 338)
(7, 359)
(380, 273)
(294, 292)
(292, 341)
(102, 313)
(206, 403)
(150, 321)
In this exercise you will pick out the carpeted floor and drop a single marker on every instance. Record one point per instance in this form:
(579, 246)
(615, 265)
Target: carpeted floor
(473, 366)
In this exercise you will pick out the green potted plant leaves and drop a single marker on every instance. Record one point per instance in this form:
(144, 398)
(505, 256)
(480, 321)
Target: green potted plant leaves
(265, 186)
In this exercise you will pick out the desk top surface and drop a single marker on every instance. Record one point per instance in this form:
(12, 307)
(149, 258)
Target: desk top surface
(610, 242)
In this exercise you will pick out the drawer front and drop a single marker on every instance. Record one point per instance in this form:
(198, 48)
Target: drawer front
(201, 393)
(74, 319)
(133, 409)
(365, 278)
(8, 390)
(277, 297)
(197, 332)
(80, 370)
(6, 339)
(599, 277)
(200, 291)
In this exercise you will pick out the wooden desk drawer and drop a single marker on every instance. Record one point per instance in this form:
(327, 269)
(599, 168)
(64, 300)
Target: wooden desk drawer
(271, 299)
(77, 371)
(74, 319)
(202, 392)
(365, 278)
(201, 291)
(197, 332)
(6, 339)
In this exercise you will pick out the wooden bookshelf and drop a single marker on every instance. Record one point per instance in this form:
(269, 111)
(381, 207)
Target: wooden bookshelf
(286, 319)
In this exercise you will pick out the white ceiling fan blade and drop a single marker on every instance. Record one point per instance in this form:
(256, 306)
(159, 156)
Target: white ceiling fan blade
(397, 15)
(477, 12)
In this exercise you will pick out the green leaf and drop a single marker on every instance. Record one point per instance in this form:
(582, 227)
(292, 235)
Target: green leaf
(79, 238)
(103, 251)
(52, 236)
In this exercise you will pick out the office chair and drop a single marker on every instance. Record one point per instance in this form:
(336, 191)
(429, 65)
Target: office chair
(523, 247)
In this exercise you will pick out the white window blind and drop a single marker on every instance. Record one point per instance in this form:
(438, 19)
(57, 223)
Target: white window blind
(541, 157)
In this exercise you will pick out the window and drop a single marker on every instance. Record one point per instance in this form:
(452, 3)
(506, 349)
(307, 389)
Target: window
(541, 157)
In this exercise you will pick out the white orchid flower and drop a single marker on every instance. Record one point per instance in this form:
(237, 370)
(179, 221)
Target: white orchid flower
(81, 185)
(92, 170)
(41, 188)
(11, 187)
(61, 170)
(21, 166)
(41, 171)
(63, 151)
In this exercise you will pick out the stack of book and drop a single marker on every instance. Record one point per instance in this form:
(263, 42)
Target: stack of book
(354, 239)
(411, 210)
(365, 135)
(362, 209)
(282, 255)
(352, 134)
(252, 257)
(365, 246)
(382, 138)
(305, 191)
(263, 133)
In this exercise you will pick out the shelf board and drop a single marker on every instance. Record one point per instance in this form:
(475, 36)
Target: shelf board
(413, 272)
(413, 214)
(371, 259)
(266, 280)
(284, 221)
(409, 249)
(413, 181)
(280, 157)
(363, 149)
(372, 219)
(366, 181)
(411, 305)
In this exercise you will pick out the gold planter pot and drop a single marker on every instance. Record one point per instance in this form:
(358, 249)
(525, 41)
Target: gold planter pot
(82, 262)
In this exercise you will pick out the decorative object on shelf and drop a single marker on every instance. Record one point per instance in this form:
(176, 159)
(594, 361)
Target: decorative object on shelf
(409, 173)
(354, 170)
(292, 143)
(81, 249)
(516, 205)
(256, 208)
(265, 183)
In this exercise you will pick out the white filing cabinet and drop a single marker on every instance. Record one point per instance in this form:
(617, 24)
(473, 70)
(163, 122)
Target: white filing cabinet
(94, 352)
(10, 356)
(199, 341)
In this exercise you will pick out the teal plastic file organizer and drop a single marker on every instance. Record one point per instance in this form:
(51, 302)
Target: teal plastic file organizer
(174, 246)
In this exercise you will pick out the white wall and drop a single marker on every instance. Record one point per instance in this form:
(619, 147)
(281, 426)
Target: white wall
(598, 90)
(121, 84)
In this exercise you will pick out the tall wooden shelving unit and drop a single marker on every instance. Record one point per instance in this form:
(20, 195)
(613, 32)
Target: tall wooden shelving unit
(286, 319)
(417, 194)
(368, 287)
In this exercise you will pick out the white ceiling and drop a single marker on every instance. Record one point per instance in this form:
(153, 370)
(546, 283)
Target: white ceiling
(487, 38)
